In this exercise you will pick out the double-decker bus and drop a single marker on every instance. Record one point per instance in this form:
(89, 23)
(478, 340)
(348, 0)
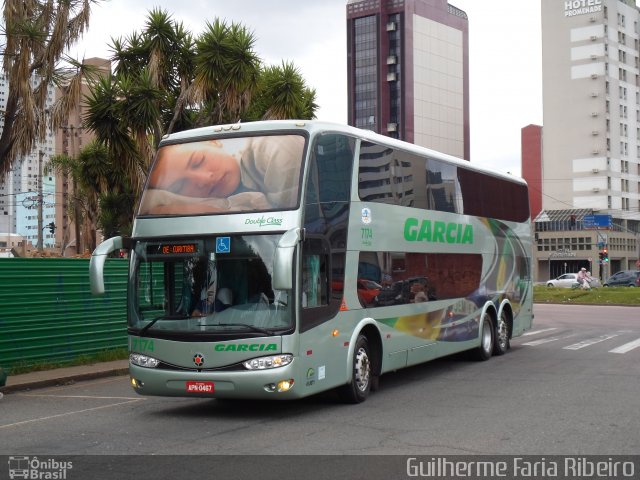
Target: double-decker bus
(279, 259)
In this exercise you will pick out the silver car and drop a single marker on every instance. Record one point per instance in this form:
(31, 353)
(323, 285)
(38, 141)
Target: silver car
(567, 280)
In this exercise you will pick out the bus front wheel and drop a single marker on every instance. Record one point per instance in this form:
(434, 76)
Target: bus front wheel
(358, 389)
(487, 338)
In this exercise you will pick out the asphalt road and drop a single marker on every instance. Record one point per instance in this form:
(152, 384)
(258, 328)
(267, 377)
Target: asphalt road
(570, 386)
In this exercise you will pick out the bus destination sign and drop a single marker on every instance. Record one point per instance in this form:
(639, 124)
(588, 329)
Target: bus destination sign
(173, 249)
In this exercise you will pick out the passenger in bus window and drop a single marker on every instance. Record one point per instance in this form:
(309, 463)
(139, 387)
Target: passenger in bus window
(419, 294)
(201, 177)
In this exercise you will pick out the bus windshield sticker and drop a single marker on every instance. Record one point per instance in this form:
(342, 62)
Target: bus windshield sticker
(223, 245)
(243, 174)
(366, 215)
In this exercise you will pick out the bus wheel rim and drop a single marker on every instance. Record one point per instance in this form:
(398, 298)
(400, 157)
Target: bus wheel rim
(486, 337)
(502, 332)
(362, 370)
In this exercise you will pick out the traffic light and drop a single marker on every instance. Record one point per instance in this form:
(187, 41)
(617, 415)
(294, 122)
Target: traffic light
(605, 255)
(601, 256)
(52, 228)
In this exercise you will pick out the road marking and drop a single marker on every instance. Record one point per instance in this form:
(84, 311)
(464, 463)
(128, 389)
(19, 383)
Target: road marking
(533, 343)
(627, 347)
(33, 420)
(535, 332)
(589, 342)
(77, 396)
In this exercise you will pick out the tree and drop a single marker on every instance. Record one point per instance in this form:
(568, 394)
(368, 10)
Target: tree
(37, 34)
(166, 80)
(95, 184)
(226, 72)
(281, 94)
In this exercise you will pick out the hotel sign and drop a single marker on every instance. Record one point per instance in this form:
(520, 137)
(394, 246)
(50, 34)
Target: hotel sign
(580, 7)
(562, 253)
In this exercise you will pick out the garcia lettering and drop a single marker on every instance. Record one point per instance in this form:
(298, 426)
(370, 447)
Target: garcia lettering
(246, 347)
(437, 231)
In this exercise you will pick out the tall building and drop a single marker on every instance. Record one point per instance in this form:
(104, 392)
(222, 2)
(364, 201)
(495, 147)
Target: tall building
(591, 101)
(25, 187)
(71, 138)
(20, 190)
(408, 72)
(531, 165)
(591, 132)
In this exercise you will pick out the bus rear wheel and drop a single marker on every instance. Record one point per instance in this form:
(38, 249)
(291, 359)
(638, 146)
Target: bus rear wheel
(502, 335)
(358, 389)
(487, 338)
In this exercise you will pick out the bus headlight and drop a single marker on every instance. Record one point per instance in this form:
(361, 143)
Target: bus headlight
(272, 361)
(143, 360)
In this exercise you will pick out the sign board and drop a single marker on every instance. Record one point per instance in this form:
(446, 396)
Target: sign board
(597, 222)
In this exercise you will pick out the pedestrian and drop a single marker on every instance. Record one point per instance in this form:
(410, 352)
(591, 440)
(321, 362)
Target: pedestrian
(583, 279)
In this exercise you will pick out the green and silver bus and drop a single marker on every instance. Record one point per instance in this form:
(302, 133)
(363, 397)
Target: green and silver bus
(279, 259)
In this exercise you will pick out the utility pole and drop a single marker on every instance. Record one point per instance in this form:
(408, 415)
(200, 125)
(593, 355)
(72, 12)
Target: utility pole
(40, 202)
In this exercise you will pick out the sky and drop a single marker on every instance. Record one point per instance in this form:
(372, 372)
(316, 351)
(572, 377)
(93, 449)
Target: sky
(504, 56)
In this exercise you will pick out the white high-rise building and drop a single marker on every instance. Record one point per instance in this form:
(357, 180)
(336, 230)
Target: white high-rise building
(19, 191)
(590, 137)
(591, 100)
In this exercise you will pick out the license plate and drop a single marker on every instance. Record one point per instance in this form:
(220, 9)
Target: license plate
(200, 387)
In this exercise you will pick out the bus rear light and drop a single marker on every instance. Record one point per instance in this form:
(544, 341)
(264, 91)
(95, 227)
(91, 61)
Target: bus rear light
(143, 360)
(272, 361)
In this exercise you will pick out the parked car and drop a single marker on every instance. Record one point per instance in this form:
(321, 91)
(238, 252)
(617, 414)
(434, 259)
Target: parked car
(567, 280)
(402, 291)
(368, 290)
(626, 278)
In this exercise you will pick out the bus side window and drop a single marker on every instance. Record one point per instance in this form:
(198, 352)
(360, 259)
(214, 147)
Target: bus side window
(314, 275)
(326, 215)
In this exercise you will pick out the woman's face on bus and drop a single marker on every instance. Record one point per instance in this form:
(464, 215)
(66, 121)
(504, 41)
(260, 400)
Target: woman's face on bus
(201, 169)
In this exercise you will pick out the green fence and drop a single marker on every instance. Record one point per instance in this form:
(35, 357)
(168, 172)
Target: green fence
(47, 312)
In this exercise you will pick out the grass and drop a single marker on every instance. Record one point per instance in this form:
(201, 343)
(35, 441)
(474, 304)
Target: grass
(596, 296)
(103, 356)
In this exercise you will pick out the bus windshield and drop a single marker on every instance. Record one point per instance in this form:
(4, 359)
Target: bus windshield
(210, 285)
(238, 174)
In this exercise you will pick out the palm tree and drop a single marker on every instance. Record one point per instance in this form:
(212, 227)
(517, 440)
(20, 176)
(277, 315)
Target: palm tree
(167, 80)
(38, 32)
(95, 185)
(282, 93)
(107, 116)
(226, 72)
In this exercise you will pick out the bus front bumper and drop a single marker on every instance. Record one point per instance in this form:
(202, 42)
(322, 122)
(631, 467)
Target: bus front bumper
(276, 384)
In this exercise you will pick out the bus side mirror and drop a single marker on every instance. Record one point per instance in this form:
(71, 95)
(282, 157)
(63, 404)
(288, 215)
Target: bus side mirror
(283, 259)
(96, 264)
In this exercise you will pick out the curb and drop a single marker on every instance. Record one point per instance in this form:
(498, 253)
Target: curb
(64, 380)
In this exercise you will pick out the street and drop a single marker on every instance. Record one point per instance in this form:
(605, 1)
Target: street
(569, 386)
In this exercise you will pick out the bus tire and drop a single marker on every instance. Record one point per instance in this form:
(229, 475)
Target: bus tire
(487, 338)
(503, 332)
(359, 387)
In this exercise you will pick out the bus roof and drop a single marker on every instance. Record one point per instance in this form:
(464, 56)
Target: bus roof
(320, 125)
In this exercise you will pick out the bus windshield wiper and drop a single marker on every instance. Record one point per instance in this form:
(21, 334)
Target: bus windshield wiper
(250, 327)
(179, 316)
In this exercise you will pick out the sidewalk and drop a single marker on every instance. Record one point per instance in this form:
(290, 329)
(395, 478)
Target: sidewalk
(66, 375)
